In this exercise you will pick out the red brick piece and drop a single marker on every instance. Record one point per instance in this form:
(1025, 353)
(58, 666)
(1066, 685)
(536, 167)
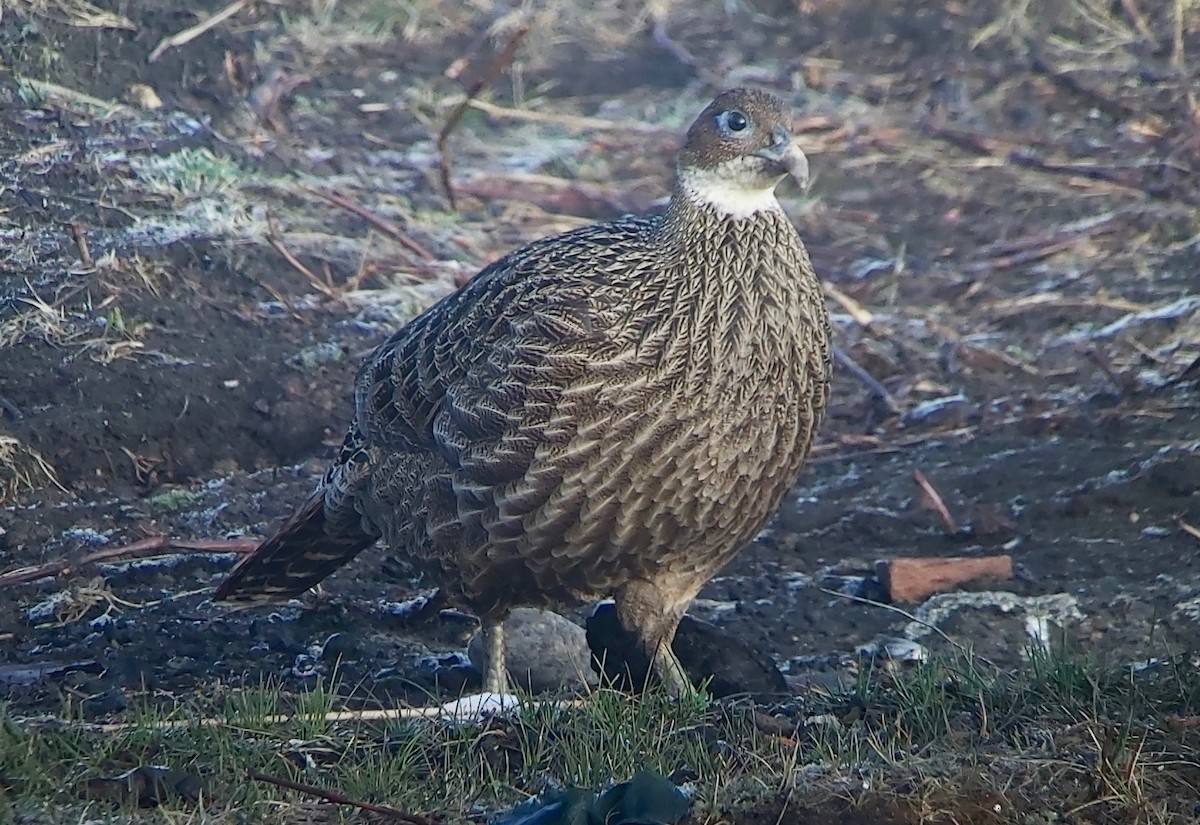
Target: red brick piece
(914, 580)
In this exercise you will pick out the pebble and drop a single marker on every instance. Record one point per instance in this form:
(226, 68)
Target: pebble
(543, 651)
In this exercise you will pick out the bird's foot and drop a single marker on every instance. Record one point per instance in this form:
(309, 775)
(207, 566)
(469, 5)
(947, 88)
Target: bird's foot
(671, 674)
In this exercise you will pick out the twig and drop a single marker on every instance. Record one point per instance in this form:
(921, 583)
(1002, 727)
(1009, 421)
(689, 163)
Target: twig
(1122, 382)
(901, 611)
(1126, 178)
(1190, 529)
(1177, 52)
(1037, 247)
(10, 409)
(1138, 19)
(1008, 307)
(1113, 108)
(276, 242)
(1028, 256)
(1190, 373)
(340, 799)
(557, 195)
(188, 35)
(54, 90)
(498, 65)
(825, 454)
(139, 549)
(432, 713)
(931, 499)
(81, 243)
(877, 390)
(861, 315)
(669, 44)
(580, 122)
(382, 224)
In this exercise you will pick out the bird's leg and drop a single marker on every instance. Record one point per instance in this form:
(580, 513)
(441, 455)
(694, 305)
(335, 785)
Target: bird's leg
(670, 671)
(495, 674)
(652, 612)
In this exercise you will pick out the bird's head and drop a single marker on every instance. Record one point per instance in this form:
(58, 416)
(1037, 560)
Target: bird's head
(737, 152)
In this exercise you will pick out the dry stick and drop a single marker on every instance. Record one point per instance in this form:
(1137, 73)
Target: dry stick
(869, 381)
(498, 65)
(340, 799)
(139, 549)
(274, 239)
(1113, 108)
(432, 713)
(579, 122)
(1027, 158)
(931, 499)
(53, 90)
(1191, 530)
(905, 614)
(1029, 256)
(1177, 53)
(827, 456)
(861, 315)
(188, 35)
(1126, 178)
(382, 224)
(10, 409)
(85, 254)
(1138, 19)
(1190, 373)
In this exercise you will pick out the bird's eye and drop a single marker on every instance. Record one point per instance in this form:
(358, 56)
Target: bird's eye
(733, 122)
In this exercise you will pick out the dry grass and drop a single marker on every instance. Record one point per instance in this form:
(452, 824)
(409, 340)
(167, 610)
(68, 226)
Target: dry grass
(77, 13)
(947, 742)
(22, 469)
(35, 320)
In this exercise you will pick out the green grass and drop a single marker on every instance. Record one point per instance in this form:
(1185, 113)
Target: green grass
(1064, 737)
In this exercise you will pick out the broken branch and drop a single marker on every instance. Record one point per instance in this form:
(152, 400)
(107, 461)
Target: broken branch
(498, 65)
(139, 549)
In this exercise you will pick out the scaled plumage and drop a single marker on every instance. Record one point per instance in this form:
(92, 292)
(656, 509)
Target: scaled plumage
(613, 411)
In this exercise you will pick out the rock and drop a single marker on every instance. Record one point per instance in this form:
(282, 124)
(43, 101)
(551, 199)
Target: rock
(112, 700)
(914, 580)
(707, 652)
(542, 650)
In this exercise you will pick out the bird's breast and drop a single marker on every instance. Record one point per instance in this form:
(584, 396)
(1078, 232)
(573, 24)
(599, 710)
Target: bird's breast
(686, 439)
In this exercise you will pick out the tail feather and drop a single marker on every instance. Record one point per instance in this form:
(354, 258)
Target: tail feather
(297, 557)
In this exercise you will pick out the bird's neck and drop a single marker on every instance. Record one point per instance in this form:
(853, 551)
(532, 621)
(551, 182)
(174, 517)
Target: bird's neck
(748, 279)
(708, 192)
(694, 230)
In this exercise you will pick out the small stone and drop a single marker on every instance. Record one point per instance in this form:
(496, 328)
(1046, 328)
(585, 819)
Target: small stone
(107, 701)
(949, 411)
(542, 650)
(914, 580)
(894, 650)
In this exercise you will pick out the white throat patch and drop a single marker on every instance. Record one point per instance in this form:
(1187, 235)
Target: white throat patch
(725, 195)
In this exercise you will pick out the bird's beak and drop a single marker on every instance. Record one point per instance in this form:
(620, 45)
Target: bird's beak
(786, 157)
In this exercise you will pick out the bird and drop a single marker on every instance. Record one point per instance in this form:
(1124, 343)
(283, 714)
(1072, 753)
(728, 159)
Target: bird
(610, 412)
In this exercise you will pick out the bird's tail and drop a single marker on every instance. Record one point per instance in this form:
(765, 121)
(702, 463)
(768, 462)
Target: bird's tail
(302, 553)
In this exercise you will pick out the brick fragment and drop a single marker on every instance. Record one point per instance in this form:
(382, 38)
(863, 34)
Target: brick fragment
(914, 580)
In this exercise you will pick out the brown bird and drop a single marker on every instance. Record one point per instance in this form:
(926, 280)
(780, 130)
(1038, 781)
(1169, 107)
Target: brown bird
(612, 411)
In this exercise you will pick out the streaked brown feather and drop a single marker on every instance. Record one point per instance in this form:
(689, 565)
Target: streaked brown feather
(614, 410)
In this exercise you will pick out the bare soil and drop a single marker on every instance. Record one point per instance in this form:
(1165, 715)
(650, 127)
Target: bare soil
(1005, 208)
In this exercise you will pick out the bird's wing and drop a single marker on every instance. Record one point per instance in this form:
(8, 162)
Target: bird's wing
(465, 371)
(473, 386)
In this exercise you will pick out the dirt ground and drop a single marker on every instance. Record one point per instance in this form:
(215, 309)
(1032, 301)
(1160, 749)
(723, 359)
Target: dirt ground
(1004, 207)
